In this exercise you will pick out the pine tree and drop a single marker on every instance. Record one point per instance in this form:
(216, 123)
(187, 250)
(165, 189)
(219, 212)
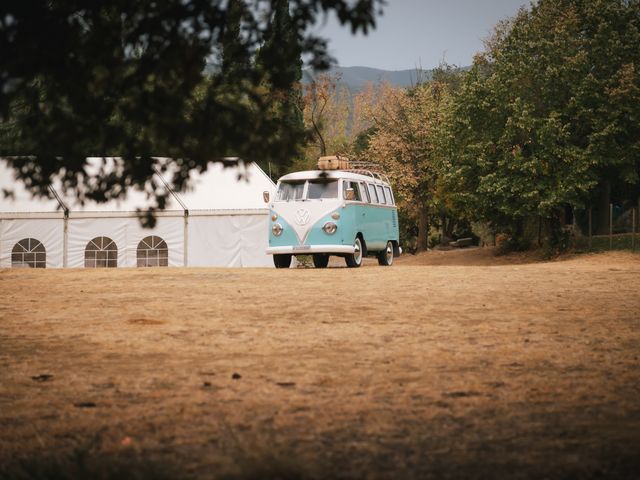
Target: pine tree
(282, 46)
(235, 60)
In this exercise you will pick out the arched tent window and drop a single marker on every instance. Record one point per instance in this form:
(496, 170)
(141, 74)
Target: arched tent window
(152, 252)
(29, 252)
(101, 252)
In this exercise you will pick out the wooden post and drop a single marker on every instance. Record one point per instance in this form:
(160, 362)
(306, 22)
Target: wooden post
(590, 228)
(611, 226)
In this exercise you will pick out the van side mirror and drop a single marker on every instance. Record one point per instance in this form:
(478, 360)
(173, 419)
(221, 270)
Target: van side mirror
(350, 194)
(266, 196)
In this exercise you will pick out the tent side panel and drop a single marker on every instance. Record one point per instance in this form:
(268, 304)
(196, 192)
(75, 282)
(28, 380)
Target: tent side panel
(170, 229)
(82, 230)
(228, 241)
(255, 240)
(48, 231)
(213, 242)
(127, 234)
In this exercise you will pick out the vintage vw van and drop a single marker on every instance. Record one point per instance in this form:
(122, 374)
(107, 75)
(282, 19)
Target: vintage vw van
(346, 213)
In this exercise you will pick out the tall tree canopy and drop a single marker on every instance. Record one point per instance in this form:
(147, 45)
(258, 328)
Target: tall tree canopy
(547, 113)
(403, 141)
(136, 80)
(326, 112)
(282, 47)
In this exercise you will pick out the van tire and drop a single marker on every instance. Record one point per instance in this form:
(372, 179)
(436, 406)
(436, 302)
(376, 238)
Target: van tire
(354, 260)
(385, 257)
(282, 260)
(320, 260)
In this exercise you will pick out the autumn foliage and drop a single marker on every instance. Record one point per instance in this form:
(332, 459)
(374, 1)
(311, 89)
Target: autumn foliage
(545, 121)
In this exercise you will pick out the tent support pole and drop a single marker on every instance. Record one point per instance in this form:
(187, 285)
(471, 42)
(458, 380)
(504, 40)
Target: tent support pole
(185, 255)
(65, 240)
(65, 222)
(186, 238)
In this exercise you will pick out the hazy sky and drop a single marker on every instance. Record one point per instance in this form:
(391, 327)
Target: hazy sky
(419, 33)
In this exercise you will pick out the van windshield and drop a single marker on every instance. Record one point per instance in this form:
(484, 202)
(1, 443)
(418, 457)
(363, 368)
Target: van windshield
(318, 189)
(290, 191)
(322, 189)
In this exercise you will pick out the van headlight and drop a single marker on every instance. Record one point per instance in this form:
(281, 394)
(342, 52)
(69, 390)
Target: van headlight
(276, 228)
(330, 228)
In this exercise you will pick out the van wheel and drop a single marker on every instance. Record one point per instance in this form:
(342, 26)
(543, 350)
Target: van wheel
(282, 260)
(385, 257)
(354, 260)
(320, 260)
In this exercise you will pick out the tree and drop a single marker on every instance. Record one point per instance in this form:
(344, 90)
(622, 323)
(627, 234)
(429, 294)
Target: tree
(131, 80)
(235, 59)
(547, 114)
(326, 114)
(403, 142)
(282, 46)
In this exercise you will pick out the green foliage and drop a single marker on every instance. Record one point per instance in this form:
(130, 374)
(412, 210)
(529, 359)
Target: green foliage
(361, 142)
(282, 47)
(547, 112)
(235, 59)
(483, 232)
(136, 80)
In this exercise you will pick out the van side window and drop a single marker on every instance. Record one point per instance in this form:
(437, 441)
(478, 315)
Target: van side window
(356, 191)
(372, 192)
(380, 194)
(388, 195)
(364, 192)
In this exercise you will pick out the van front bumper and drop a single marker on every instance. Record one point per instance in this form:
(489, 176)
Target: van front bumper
(306, 249)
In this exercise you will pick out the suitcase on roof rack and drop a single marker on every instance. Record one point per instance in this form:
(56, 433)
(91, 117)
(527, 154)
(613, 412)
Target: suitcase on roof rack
(333, 162)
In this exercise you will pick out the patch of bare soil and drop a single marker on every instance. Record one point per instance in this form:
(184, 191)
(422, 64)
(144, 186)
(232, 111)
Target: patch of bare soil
(471, 256)
(464, 368)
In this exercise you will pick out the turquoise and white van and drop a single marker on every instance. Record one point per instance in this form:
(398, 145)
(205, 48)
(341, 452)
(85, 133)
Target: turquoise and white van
(346, 213)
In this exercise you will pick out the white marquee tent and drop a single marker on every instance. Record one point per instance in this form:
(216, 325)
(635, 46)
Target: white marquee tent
(221, 221)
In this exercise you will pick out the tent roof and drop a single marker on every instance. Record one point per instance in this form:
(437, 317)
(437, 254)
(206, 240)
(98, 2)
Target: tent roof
(218, 188)
(22, 201)
(131, 202)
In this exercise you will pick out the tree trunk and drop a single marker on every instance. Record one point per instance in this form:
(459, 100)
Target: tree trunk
(423, 229)
(601, 221)
(539, 231)
(444, 235)
(555, 237)
(519, 230)
(450, 225)
(323, 146)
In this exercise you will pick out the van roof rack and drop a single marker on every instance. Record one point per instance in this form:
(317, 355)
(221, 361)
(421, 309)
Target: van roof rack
(367, 168)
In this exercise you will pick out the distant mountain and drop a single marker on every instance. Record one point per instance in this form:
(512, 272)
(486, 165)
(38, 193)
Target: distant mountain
(355, 78)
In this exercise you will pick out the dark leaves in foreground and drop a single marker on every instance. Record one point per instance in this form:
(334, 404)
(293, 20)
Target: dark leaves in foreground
(141, 80)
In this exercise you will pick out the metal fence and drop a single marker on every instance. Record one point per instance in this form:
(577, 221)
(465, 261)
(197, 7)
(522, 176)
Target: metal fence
(618, 228)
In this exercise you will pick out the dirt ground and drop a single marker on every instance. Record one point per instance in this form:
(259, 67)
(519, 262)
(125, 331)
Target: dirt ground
(446, 365)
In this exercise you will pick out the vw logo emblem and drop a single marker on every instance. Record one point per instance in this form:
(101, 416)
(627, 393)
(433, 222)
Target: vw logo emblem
(302, 216)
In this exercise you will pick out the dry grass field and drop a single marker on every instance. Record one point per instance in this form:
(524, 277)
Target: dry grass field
(446, 365)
